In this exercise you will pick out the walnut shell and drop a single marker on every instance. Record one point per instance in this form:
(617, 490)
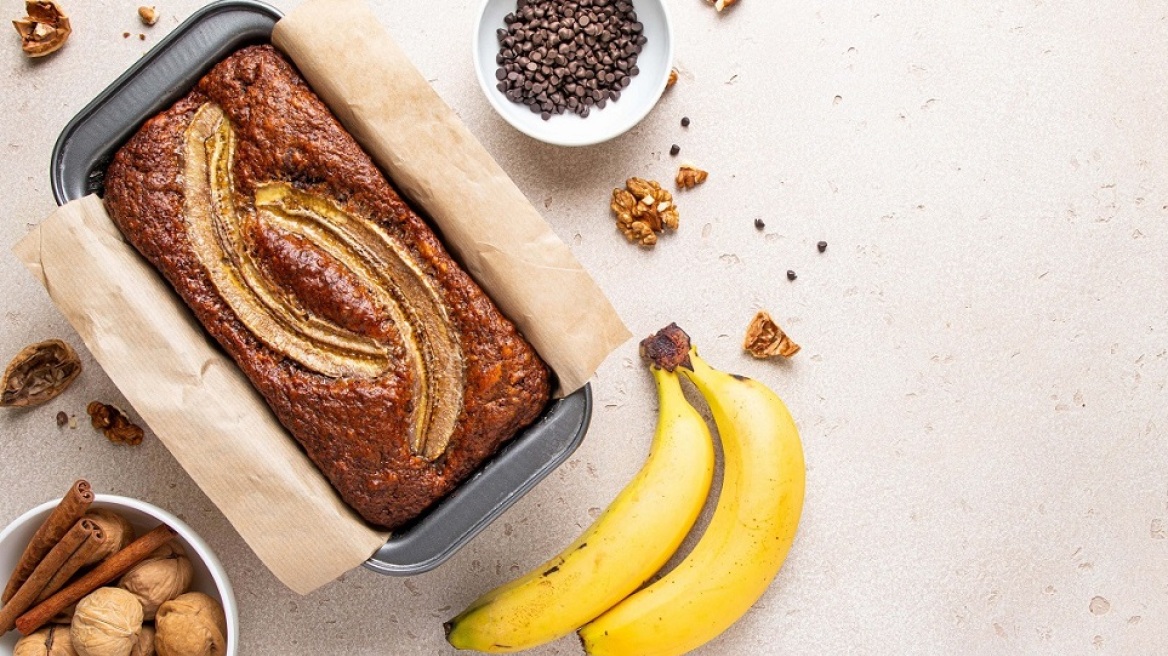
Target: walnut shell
(53, 640)
(106, 623)
(191, 625)
(39, 373)
(166, 574)
(145, 646)
(118, 533)
(44, 30)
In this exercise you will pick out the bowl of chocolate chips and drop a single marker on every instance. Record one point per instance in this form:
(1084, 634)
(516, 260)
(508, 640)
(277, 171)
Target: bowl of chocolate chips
(573, 72)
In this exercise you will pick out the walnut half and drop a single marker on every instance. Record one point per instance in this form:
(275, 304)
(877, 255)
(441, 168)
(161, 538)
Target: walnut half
(44, 30)
(642, 210)
(765, 339)
(114, 423)
(689, 176)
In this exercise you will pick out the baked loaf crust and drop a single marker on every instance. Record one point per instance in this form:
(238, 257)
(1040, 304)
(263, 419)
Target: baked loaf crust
(381, 356)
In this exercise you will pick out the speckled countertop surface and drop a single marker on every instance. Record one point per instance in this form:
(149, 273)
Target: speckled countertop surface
(982, 388)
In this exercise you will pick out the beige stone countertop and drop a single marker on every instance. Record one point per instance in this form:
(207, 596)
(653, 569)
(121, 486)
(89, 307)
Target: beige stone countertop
(982, 387)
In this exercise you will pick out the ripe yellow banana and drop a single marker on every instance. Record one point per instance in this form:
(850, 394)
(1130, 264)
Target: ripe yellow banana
(625, 546)
(748, 537)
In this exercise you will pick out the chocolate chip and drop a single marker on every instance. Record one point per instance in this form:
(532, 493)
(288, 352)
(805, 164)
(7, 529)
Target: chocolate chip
(791, 275)
(685, 121)
(559, 56)
(759, 224)
(674, 150)
(821, 246)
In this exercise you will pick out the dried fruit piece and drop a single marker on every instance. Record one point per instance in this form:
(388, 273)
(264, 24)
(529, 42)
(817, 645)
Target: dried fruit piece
(765, 339)
(44, 30)
(689, 176)
(643, 209)
(149, 15)
(114, 423)
(39, 373)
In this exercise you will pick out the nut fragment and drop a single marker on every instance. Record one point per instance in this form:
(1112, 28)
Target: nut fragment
(114, 423)
(643, 209)
(721, 4)
(689, 176)
(765, 339)
(149, 15)
(45, 28)
(39, 373)
(672, 78)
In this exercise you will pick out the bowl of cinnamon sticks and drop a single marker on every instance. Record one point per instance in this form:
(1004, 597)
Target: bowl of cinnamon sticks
(98, 569)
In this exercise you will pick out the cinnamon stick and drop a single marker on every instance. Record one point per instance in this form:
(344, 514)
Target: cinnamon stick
(26, 596)
(74, 504)
(108, 570)
(80, 558)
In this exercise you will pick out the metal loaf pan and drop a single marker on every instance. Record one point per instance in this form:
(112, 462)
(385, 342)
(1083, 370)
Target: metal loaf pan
(155, 82)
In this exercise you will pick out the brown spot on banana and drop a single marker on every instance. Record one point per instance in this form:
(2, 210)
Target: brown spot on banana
(379, 266)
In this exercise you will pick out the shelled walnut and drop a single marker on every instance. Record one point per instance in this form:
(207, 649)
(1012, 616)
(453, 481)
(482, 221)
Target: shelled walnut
(148, 15)
(689, 176)
(642, 210)
(672, 78)
(114, 423)
(721, 4)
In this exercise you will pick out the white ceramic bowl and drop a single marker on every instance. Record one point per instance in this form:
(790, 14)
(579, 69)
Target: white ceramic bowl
(209, 574)
(567, 129)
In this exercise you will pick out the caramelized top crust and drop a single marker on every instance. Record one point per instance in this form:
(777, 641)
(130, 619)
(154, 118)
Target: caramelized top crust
(356, 429)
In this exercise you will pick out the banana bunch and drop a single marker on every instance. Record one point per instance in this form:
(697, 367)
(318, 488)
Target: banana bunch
(592, 586)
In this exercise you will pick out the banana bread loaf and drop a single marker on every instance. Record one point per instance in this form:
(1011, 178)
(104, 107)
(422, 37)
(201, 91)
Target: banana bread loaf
(380, 355)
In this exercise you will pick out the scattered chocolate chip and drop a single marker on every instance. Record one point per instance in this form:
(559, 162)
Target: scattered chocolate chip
(759, 224)
(791, 275)
(685, 121)
(822, 246)
(62, 419)
(674, 150)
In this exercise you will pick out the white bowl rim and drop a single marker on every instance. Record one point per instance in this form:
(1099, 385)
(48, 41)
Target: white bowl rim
(218, 574)
(487, 87)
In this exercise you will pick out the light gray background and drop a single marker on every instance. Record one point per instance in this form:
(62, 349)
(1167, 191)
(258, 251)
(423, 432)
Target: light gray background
(981, 390)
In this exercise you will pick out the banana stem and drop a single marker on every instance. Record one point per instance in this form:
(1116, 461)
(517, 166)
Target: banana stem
(668, 348)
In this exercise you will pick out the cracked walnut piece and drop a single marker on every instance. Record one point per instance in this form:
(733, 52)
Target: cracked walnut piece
(672, 78)
(114, 423)
(642, 210)
(44, 30)
(148, 15)
(721, 4)
(690, 176)
(765, 339)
